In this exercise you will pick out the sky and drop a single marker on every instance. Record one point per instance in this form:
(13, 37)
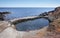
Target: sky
(29, 3)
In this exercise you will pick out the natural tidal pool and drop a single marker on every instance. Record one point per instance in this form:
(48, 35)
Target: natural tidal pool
(32, 25)
(24, 12)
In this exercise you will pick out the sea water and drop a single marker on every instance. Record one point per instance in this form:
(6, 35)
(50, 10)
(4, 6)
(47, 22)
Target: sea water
(24, 12)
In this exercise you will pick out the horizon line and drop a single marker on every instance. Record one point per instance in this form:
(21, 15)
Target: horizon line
(29, 7)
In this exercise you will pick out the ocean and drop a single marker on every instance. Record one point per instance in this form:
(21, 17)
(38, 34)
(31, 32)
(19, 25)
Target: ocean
(24, 12)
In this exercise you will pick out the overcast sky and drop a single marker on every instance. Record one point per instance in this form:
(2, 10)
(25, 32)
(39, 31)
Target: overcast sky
(29, 3)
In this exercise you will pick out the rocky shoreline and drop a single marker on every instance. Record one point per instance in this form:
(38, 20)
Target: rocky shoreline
(8, 29)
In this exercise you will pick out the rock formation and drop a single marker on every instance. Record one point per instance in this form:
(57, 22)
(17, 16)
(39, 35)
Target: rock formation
(8, 30)
(53, 30)
(54, 13)
(2, 15)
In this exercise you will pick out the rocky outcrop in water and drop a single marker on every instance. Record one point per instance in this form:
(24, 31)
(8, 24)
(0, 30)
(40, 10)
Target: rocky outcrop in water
(2, 15)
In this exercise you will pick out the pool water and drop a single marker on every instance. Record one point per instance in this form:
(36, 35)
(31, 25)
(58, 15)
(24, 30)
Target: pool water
(32, 25)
